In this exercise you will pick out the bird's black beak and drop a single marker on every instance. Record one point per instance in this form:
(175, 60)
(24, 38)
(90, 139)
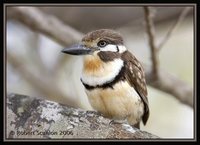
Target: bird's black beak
(77, 49)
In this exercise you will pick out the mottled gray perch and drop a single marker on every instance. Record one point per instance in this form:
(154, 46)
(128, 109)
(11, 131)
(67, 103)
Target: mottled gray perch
(32, 118)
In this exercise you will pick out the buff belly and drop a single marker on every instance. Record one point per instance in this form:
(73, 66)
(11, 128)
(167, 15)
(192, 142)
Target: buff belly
(121, 102)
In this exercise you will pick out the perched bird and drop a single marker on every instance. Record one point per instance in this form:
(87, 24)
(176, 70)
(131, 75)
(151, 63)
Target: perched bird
(113, 78)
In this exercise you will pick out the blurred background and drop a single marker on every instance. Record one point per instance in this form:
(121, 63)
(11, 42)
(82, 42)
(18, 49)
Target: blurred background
(36, 66)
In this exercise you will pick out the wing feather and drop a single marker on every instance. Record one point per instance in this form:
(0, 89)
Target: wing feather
(136, 78)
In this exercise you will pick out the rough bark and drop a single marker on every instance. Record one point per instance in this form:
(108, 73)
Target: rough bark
(32, 118)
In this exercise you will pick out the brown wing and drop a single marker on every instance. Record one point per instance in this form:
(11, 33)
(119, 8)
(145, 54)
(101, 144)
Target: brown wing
(135, 76)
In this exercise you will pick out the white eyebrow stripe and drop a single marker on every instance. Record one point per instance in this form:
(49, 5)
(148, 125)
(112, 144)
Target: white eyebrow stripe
(109, 47)
(122, 48)
(113, 48)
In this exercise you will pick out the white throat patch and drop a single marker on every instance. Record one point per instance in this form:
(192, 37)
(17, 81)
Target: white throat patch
(106, 73)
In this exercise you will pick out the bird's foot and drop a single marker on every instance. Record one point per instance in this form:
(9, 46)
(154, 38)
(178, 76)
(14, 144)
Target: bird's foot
(94, 112)
(114, 121)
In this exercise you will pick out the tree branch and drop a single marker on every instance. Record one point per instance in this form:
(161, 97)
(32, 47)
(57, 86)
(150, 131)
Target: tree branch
(43, 23)
(171, 30)
(158, 78)
(27, 17)
(44, 87)
(31, 118)
(151, 38)
(170, 84)
(46, 24)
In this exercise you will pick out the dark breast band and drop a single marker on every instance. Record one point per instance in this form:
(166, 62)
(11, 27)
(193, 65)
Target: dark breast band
(109, 84)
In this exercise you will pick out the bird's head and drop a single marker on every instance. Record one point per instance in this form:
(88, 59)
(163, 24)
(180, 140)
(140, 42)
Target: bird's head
(98, 41)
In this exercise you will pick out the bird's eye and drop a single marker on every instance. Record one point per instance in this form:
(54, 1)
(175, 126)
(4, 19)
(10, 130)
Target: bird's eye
(102, 43)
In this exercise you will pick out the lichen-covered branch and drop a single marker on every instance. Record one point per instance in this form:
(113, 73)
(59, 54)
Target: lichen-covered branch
(65, 35)
(31, 118)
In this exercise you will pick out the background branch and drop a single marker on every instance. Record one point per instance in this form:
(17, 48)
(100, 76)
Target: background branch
(151, 39)
(181, 17)
(170, 84)
(45, 24)
(65, 35)
(39, 83)
(155, 76)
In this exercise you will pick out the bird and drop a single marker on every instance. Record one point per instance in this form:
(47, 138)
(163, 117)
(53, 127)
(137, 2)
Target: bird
(112, 76)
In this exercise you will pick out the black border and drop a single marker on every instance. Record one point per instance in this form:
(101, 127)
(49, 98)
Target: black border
(100, 5)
